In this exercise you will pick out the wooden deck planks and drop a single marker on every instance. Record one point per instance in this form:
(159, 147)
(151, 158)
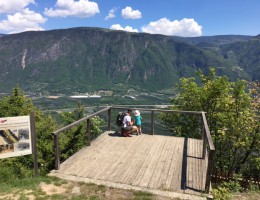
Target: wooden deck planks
(196, 169)
(190, 164)
(104, 158)
(134, 170)
(151, 168)
(92, 157)
(123, 159)
(82, 157)
(154, 182)
(177, 166)
(142, 178)
(150, 161)
(168, 168)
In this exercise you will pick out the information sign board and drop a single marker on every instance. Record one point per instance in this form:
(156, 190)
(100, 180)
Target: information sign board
(15, 136)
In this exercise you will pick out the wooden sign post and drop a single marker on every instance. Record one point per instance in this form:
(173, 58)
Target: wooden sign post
(34, 143)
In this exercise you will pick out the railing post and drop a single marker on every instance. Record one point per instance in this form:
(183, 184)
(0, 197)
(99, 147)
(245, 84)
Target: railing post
(152, 122)
(57, 151)
(204, 147)
(209, 171)
(109, 119)
(202, 127)
(203, 136)
(88, 132)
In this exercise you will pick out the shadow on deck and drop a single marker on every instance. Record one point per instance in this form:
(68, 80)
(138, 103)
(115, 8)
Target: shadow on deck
(153, 163)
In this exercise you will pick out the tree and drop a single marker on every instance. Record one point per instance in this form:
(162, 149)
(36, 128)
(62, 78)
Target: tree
(76, 138)
(231, 116)
(18, 105)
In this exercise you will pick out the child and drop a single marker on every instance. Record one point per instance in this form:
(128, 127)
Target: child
(138, 121)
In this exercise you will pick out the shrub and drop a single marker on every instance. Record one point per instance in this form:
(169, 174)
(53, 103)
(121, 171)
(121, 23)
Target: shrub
(221, 193)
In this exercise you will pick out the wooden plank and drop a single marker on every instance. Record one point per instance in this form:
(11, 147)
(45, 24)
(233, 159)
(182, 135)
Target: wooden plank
(194, 172)
(104, 157)
(170, 152)
(86, 156)
(129, 159)
(189, 163)
(131, 166)
(131, 174)
(124, 156)
(160, 165)
(152, 165)
(105, 161)
(91, 157)
(200, 166)
(177, 175)
(172, 165)
(196, 167)
(97, 143)
(147, 161)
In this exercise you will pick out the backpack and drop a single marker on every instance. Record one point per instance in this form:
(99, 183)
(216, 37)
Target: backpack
(120, 118)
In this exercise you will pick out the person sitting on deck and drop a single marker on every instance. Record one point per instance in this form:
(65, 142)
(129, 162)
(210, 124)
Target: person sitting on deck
(128, 127)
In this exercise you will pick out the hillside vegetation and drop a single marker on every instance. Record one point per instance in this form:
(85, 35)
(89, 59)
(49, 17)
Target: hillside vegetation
(90, 59)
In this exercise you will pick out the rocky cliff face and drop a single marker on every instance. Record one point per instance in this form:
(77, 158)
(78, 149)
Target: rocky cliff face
(87, 59)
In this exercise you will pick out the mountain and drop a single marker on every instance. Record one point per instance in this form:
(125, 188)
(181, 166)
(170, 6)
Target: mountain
(213, 40)
(90, 59)
(245, 55)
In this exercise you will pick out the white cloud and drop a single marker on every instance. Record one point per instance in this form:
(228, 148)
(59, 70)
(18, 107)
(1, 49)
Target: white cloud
(129, 13)
(25, 20)
(65, 8)
(185, 27)
(11, 6)
(111, 14)
(127, 28)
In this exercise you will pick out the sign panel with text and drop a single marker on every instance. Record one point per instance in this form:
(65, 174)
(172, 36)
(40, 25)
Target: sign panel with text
(15, 136)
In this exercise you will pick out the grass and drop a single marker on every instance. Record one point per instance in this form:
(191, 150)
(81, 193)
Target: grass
(139, 195)
(51, 188)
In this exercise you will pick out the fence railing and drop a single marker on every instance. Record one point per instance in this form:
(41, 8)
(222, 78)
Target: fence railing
(85, 119)
(207, 141)
(205, 134)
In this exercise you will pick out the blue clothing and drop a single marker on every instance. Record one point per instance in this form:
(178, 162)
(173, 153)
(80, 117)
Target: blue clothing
(138, 120)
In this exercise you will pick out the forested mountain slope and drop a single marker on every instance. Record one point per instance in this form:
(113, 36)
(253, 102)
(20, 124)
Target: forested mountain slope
(89, 59)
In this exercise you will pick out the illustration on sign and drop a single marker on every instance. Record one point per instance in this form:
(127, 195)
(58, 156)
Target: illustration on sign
(15, 136)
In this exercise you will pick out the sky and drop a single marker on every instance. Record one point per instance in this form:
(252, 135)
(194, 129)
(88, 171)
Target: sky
(187, 18)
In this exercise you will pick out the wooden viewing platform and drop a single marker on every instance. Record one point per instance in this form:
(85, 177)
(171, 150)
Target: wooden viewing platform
(146, 162)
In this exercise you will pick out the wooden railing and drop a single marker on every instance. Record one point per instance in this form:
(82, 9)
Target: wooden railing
(205, 134)
(85, 119)
(207, 142)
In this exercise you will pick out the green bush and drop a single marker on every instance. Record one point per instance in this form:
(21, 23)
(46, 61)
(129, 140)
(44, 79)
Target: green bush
(222, 193)
(232, 186)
